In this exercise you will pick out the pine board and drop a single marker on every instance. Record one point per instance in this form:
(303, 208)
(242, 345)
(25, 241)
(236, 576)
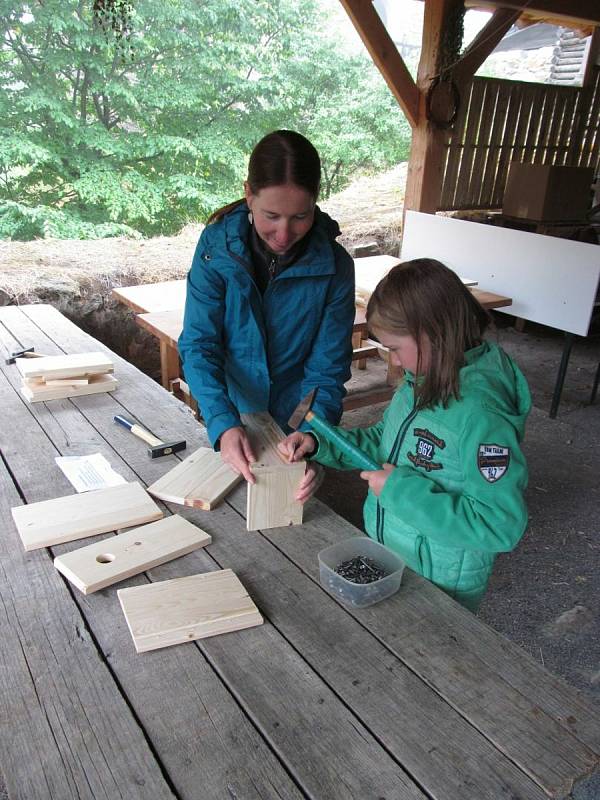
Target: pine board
(103, 563)
(199, 481)
(184, 609)
(76, 516)
(271, 500)
(39, 393)
(75, 365)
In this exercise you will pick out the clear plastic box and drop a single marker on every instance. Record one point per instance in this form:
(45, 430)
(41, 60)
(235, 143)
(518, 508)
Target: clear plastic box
(360, 595)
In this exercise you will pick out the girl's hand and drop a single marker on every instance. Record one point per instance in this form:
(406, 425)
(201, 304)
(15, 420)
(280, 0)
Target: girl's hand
(377, 478)
(237, 452)
(311, 481)
(297, 445)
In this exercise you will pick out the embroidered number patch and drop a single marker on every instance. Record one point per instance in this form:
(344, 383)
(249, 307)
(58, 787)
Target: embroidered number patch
(493, 460)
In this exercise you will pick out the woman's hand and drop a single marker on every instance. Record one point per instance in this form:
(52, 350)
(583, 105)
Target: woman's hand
(297, 445)
(377, 478)
(311, 481)
(237, 452)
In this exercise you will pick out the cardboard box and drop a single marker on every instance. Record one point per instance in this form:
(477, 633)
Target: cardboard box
(548, 193)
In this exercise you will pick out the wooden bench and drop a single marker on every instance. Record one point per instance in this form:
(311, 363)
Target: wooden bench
(410, 699)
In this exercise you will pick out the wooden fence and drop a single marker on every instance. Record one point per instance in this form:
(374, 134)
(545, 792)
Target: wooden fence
(502, 121)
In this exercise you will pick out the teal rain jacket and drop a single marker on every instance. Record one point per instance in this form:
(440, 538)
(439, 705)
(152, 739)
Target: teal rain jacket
(243, 351)
(455, 498)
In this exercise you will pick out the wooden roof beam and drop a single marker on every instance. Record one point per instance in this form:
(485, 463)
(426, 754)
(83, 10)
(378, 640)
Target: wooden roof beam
(385, 54)
(574, 11)
(484, 43)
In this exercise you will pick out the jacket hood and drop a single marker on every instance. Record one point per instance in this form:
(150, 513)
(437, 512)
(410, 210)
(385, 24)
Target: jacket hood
(491, 376)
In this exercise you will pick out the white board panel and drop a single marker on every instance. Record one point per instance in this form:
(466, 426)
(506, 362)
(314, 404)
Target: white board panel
(551, 281)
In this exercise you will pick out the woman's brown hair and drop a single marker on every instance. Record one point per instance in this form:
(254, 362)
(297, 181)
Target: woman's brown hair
(280, 157)
(424, 297)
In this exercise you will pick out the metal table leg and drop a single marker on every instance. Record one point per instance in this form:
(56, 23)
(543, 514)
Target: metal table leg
(562, 371)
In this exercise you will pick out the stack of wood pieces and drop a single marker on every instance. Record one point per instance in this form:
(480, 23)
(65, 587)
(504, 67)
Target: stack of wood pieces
(55, 377)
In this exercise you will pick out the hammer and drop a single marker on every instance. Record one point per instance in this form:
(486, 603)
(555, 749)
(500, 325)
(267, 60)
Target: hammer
(157, 448)
(333, 435)
(28, 352)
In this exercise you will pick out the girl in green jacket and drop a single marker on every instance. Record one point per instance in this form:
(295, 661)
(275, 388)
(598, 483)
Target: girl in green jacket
(449, 495)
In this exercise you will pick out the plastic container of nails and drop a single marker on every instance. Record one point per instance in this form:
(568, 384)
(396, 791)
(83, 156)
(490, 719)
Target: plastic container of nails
(371, 555)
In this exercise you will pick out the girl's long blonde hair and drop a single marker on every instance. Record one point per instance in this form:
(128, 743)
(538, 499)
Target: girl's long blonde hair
(424, 297)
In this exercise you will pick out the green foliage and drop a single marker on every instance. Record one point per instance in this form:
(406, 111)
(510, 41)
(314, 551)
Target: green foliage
(138, 125)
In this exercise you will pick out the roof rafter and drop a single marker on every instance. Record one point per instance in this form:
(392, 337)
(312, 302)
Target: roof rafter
(573, 11)
(485, 41)
(385, 54)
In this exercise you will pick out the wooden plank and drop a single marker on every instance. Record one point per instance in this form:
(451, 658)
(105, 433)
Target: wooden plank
(473, 116)
(165, 325)
(76, 516)
(160, 296)
(45, 392)
(68, 732)
(172, 700)
(486, 190)
(456, 149)
(271, 501)
(75, 365)
(513, 95)
(200, 481)
(103, 563)
(484, 159)
(185, 609)
(491, 300)
(344, 746)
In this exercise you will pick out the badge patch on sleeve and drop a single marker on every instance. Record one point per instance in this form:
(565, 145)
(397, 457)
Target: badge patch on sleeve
(493, 460)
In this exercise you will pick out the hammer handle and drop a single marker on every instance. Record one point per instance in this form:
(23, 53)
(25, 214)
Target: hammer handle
(138, 431)
(336, 437)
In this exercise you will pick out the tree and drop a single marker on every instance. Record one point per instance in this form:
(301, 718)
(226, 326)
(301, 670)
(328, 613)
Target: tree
(137, 134)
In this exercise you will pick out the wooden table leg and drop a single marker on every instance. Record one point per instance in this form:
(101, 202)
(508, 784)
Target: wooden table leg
(169, 364)
(356, 343)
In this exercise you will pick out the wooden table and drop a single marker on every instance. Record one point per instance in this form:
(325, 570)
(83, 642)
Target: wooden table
(410, 699)
(167, 325)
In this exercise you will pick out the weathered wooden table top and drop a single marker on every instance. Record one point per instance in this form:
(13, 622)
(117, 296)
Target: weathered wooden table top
(413, 698)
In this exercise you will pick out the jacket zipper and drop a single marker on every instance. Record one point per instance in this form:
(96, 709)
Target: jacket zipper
(394, 453)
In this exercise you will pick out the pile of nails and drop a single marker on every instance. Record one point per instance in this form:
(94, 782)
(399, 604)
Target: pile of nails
(360, 569)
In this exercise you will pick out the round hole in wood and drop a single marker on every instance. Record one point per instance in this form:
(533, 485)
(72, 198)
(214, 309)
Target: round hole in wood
(105, 558)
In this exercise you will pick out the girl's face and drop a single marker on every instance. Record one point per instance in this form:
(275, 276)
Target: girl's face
(282, 215)
(404, 352)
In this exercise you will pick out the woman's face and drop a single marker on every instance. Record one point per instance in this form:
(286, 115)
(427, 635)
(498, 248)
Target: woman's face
(282, 215)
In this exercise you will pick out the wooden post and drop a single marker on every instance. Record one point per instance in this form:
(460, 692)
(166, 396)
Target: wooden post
(425, 168)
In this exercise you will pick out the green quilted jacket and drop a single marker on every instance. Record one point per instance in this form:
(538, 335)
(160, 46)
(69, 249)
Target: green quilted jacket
(455, 498)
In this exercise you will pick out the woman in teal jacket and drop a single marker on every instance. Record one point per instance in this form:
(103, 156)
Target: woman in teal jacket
(449, 496)
(270, 302)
